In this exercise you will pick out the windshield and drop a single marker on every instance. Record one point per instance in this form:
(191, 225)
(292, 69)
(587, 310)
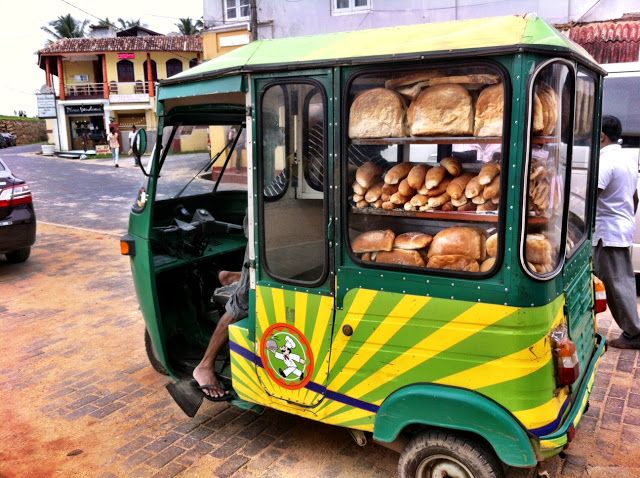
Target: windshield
(196, 158)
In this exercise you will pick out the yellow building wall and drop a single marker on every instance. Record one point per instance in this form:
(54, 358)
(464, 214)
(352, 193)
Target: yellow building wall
(159, 57)
(195, 141)
(71, 68)
(211, 43)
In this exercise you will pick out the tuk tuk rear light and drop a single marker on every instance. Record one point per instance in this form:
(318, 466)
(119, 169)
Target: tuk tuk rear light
(127, 245)
(15, 195)
(566, 356)
(600, 295)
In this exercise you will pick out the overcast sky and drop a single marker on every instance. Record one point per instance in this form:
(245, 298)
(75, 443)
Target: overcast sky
(21, 36)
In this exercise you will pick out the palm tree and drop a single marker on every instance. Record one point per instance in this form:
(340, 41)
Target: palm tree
(65, 26)
(124, 24)
(106, 23)
(187, 26)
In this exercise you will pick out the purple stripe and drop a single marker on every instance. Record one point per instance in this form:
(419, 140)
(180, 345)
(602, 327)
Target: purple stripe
(314, 387)
(551, 427)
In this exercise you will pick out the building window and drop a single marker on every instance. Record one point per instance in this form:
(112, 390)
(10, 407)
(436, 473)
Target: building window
(237, 9)
(340, 7)
(125, 71)
(193, 62)
(174, 66)
(154, 71)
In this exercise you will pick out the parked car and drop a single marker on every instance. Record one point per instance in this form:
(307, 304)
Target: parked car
(9, 138)
(3, 142)
(17, 217)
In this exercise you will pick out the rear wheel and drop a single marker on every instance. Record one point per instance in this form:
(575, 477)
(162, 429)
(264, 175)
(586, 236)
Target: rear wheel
(439, 454)
(151, 354)
(20, 255)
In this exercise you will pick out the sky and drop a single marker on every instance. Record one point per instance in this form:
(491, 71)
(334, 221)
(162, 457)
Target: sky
(21, 37)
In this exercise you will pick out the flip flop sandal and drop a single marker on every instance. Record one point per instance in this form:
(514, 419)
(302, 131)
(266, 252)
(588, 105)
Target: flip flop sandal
(224, 398)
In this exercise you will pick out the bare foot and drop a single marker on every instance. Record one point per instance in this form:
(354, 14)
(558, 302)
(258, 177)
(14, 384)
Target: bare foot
(208, 382)
(228, 277)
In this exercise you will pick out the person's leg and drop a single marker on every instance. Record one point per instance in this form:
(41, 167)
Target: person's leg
(229, 277)
(116, 155)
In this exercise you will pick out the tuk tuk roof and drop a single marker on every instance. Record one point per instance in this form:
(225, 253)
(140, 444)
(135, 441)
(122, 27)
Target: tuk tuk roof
(403, 42)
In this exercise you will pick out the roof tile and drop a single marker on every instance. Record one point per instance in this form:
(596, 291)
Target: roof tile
(610, 41)
(142, 43)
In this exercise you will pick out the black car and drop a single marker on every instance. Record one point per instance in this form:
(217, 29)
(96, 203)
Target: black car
(9, 139)
(17, 217)
(3, 142)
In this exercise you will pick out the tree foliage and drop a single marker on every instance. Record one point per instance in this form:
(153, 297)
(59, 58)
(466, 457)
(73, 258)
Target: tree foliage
(187, 26)
(124, 24)
(65, 26)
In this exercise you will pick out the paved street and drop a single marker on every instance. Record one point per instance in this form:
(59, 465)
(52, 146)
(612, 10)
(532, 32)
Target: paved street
(78, 398)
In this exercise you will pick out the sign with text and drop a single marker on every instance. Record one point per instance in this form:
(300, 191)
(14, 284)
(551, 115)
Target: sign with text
(102, 149)
(84, 109)
(126, 56)
(46, 105)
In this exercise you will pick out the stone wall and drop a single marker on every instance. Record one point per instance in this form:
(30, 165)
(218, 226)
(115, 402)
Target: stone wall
(26, 131)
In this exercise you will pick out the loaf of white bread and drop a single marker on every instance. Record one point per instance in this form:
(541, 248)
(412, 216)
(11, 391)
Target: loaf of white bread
(377, 113)
(441, 110)
(489, 111)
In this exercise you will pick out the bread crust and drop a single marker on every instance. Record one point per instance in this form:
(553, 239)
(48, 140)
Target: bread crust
(377, 113)
(492, 189)
(405, 189)
(368, 174)
(489, 111)
(538, 249)
(397, 173)
(441, 110)
(372, 241)
(412, 240)
(401, 257)
(456, 187)
(487, 173)
(461, 240)
(453, 262)
(416, 176)
(434, 176)
(492, 245)
(452, 165)
(473, 188)
(374, 192)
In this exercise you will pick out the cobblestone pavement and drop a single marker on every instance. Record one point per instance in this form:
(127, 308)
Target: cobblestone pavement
(78, 398)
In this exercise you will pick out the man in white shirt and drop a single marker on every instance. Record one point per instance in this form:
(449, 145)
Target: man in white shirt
(613, 236)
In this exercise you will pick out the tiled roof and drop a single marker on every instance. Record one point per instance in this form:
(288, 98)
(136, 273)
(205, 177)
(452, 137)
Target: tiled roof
(608, 42)
(142, 43)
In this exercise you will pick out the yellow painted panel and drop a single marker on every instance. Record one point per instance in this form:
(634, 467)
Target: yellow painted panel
(543, 414)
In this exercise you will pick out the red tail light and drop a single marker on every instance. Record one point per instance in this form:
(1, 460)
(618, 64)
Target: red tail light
(600, 295)
(15, 194)
(566, 356)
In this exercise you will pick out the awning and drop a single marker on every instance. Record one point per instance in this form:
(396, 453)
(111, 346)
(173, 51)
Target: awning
(226, 84)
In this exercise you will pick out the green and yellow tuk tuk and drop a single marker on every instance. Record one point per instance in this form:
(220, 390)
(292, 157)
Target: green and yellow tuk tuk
(419, 204)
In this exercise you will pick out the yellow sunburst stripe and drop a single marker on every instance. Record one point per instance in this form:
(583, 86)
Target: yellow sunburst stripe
(301, 310)
(266, 382)
(321, 328)
(504, 369)
(402, 313)
(468, 323)
(237, 335)
(247, 369)
(543, 414)
(348, 415)
(247, 393)
(263, 319)
(278, 305)
(340, 420)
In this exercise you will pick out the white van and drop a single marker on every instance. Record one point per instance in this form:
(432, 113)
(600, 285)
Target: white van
(622, 99)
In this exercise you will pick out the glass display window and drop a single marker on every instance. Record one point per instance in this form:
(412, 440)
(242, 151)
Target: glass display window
(423, 174)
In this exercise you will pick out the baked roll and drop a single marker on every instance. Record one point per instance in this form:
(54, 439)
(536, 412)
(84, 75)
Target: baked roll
(460, 240)
(357, 189)
(412, 240)
(398, 173)
(453, 262)
(374, 193)
(487, 173)
(371, 241)
(452, 165)
(401, 257)
(538, 249)
(487, 264)
(457, 186)
(377, 113)
(416, 176)
(434, 176)
(492, 245)
(473, 188)
(368, 174)
(405, 189)
(492, 190)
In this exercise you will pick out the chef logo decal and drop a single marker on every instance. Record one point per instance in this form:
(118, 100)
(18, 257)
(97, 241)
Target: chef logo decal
(286, 356)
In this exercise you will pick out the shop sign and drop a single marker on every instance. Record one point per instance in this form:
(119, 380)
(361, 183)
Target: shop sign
(84, 109)
(102, 149)
(46, 105)
(126, 56)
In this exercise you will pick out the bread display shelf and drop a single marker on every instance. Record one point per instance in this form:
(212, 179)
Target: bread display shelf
(429, 140)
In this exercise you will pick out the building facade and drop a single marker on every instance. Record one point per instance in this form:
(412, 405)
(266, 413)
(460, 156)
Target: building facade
(108, 80)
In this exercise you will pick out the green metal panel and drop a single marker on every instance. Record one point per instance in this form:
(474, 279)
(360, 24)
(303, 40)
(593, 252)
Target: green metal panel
(227, 84)
(457, 409)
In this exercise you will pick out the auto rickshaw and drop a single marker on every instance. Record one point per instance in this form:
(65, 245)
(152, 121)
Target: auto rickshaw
(420, 202)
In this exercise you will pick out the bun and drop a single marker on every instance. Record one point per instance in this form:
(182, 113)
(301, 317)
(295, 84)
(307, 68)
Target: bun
(358, 197)
(412, 240)
(367, 174)
(448, 206)
(453, 262)
(489, 107)
(399, 199)
(452, 166)
(416, 176)
(492, 190)
(487, 207)
(487, 173)
(357, 189)
(538, 249)
(487, 264)
(459, 202)
(478, 199)
(438, 190)
(418, 200)
(377, 204)
(473, 188)
(398, 173)
(434, 176)
(401, 257)
(374, 193)
(461, 240)
(371, 241)
(492, 245)
(388, 205)
(377, 113)
(467, 207)
(538, 115)
(438, 201)
(362, 204)
(405, 189)
(457, 186)
(441, 110)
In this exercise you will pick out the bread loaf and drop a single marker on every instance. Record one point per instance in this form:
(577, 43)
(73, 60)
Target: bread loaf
(366, 257)
(412, 240)
(362, 204)
(538, 249)
(368, 174)
(398, 173)
(478, 199)
(457, 186)
(399, 199)
(492, 245)
(377, 204)
(461, 240)
(434, 176)
(473, 188)
(374, 192)
(453, 262)
(487, 264)
(492, 189)
(538, 115)
(370, 241)
(357, 197)
(377, 113)
(405, 189)
(411, 79)
(467, 207)
(401, 257)
(448, 206)
(489, 108)
(438, 201)
(408, 206)
(441, 110)
(452, 165)
(438, 190)
(487, 173)
(487, 207)
(388, 205)
(418, 200)
(459, 202)
(416, 176)
(357, 189)
(472, 79)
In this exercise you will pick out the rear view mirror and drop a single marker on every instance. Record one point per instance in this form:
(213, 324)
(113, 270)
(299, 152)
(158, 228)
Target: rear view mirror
(139, 147)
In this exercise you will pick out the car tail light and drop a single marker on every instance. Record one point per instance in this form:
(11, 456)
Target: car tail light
(566, 356)
(15, 194)
(127, 245)
(600, 295)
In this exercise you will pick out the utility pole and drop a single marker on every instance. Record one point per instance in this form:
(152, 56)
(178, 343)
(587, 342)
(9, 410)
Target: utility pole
(253, 22)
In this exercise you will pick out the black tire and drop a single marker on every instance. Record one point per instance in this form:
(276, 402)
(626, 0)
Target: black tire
(438, 453)
(151, 355)
(20, 255)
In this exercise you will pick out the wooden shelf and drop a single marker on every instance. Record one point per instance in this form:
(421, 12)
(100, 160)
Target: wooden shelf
(461, 216)
(429, 140)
